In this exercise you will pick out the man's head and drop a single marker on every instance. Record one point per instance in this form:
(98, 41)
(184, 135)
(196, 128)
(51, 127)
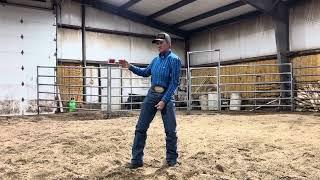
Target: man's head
(163, 41)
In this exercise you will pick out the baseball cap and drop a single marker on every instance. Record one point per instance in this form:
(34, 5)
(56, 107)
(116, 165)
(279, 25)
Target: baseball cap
(162, 37)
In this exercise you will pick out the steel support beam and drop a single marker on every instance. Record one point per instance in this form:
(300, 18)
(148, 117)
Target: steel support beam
(281, 26)
(83, 32)
(262, 5)
(187, 49)
(5, 2)
(134, 17)
(225, 22)
(84, 57)
(210, 13)
(171, 8)
(129, 4)
(270, 7)
(279, 11)
(108, 31)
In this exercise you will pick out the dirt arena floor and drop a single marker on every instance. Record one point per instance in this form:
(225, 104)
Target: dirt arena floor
(216, 146)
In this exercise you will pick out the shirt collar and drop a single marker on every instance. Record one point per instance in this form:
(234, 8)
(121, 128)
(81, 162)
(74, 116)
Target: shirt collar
(165, 54)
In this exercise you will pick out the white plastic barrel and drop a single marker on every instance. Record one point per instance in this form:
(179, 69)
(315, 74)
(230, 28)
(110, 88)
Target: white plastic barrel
(203, 102)
(235, 102)
(213, 101)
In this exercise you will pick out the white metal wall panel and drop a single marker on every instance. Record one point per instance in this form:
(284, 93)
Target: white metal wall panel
(142, 51)
(143, 29)
(199, 42)
(257, 38)
(99, 19)
(245, 39)
(38, 46)
(102, 20)
(101, 47)
(305, 25)
(70, 13)
(69, 44)
(228, 41)
(178, 47)
(11, 76)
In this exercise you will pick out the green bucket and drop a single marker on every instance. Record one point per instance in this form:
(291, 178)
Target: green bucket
(72, 104)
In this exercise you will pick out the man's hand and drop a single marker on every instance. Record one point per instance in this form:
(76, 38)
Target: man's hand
(124, 64)
(160, 105)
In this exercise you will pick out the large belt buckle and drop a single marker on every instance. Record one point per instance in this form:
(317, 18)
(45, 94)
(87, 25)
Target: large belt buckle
(158, 89)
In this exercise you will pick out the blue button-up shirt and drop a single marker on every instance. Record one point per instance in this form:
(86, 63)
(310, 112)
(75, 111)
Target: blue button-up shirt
(164, 71)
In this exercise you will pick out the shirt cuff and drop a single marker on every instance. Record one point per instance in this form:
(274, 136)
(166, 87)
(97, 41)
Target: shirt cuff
(164, 99)
(131, 67)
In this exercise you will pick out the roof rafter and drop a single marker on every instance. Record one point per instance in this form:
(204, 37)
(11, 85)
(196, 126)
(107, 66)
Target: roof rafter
(210, 13)
(133, 16)
(129, 4)
(171, 8)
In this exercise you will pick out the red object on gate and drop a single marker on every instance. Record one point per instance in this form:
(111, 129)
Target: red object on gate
(121, 61)
(112, 61)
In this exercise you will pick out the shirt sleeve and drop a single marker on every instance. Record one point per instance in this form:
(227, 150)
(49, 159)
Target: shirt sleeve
(174, 81)
(145, 72)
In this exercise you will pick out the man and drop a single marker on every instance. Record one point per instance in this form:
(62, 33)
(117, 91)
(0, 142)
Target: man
(164, 71)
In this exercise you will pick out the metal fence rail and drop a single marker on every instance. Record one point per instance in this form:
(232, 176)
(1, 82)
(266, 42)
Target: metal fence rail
(69, 83)
(203, 90)
(108, 89)
(111, 89)
(307, 88)
(229, 93)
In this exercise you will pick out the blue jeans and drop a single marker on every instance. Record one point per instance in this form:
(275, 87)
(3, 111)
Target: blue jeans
(148, 111)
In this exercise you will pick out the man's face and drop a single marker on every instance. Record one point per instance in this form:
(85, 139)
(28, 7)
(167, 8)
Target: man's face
(163, 46)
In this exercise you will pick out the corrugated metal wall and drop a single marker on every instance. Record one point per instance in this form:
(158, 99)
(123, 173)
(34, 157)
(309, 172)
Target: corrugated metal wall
(102, 46)
(248, 38)
(245, 39)
(69, 44)
(27, 41)
(305, 25)
(255, 37)
(99, 19)
(70, 13)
